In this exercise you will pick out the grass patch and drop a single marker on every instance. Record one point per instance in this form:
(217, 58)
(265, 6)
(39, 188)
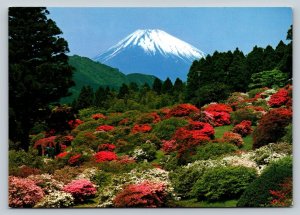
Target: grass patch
(193, 203)
(219, 131)
(248, 141)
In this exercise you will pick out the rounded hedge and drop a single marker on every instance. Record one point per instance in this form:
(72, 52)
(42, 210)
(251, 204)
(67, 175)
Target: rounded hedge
(257, 193)
(223, 183)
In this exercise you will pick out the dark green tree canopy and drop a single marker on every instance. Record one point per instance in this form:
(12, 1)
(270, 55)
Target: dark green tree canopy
(167, 86)
(157, 86)
(39, 73)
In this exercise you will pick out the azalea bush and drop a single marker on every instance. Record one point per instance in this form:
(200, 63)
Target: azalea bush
(165, 129)
(233, 138)
(47, 183)
(223, 183)
(220, 113)
(75, 160)
(141, 128)
(106, 147)
(81, 189)
(74, 123)
(98, 116)
(283, 197)
(271, 127)
(57, 199)
(143, 195)
(246, 113)
(243, 128)
(23, 193)
(105, 156)
(146, 151)
(105, 128)
(182, 110)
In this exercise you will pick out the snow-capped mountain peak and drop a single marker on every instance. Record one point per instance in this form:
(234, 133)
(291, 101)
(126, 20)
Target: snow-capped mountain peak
(151, 51)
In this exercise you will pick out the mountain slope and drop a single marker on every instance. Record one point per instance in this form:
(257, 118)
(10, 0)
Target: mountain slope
(89, 72)
(152, 52)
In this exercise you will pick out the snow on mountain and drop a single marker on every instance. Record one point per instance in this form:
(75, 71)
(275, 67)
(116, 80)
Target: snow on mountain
(152, 52)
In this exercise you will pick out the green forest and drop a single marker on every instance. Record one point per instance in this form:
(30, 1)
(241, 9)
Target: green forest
(83, 134)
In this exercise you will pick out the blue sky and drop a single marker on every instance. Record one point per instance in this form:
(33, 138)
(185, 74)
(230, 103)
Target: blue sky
(90, 31)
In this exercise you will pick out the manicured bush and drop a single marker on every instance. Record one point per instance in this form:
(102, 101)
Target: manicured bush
(280, 98)
(20, 158)
(23, 193)
(148, 118)
(182, 110)
(105, 156)
(165, 129)
(102, 178)
(86, 138)
(80, 189)
(258, 193)
(97, 116)
(105, 128)
(288, 137)
(271, 127)
(144, 195)
(246, 114)
(223, 183)
(106, 147)
(146, 151)
(141, 128)
(243, 128)
(47, 183)
(75, 160)
(57, 199)
(168, 146)
(220, 113)
(233, 138)
(214, 150)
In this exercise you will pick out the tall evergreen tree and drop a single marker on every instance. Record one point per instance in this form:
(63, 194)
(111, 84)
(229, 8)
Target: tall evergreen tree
(167, 86)
(255, 60)
(123, 91)
(178, 85)
(157, 86)
(39, 73)
(85, 98)
(100, 97)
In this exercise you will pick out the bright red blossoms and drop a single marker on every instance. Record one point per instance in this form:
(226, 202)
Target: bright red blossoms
(74, 123)
(106, 147)
(280, 98)
(141, 128)
(105, 156)
(244, 128)
(220, 113)
(182, 110)
(98, 116)
(105, 128)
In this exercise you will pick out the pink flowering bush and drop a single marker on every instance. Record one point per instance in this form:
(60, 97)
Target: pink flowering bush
(105, 156)
(234, 138)
(81, 189)
(143, 195)
(23, 193)
(105, 128)
(243, 128)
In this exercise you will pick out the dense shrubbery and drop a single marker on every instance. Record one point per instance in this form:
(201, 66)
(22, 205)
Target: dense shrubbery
(243, 128)
(23, 193)
(258, 193)
(214, 150)
(80, 189)
(166, 128)
(143, 195)
(223, 183)
(57, 199)
(271, 127)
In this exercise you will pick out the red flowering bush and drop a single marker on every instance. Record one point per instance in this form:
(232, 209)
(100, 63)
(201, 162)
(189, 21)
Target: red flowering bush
(105, 156)
(62, 155)
(23, 193)
(106, 147)
(201, 128)
(220, 113)
(283, 197)
(244, 128)
(144, 195)
(125, 159)
(141, 128)
(81, 189)
(48, 141)
(271, 127)
(74, 123)
(168, 146)
(105, 128)
(75, 159)
(98, 116)
(280, 98)
(234, 138)
(124, 121)
(182, 110)
(149, 118)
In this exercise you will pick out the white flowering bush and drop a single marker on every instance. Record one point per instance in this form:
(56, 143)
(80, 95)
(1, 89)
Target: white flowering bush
(88, 174)
(135, 176)
(47, 183)
(57, 199)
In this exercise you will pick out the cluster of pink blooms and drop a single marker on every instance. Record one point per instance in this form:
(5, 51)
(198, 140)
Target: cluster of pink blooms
(23, 192)
(143, 195)
(74, 123)
(80, 189)
(168, 146)
(220, 113)
(182, 110)
(141, 128)
(98, 116)
(105, 128)
(243, 128)
(103, 156)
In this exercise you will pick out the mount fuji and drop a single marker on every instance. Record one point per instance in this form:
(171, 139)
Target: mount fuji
(152, 52)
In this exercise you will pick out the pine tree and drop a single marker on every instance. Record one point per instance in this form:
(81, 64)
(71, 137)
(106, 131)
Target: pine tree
(157, 86)
(39, 73)
(123, 91)
(100, 97)
(167, 86)
(85, 98)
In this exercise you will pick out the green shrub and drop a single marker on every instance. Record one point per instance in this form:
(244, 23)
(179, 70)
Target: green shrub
(166, 128)
(223, 183)
(86, 138)
(146, 151)
(102, 178)
(214, 150)
(288, 137)
(257, 193)
(19, 158)
(245, 114)
(89, 125)
(253, 92)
